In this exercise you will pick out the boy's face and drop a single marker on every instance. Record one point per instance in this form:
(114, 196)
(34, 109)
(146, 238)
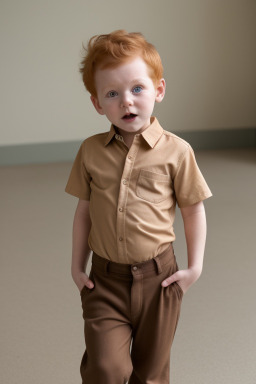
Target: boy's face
(127, 95)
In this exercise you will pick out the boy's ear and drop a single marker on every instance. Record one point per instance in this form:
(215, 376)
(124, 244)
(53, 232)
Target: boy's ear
(160, 91)
(97, 106)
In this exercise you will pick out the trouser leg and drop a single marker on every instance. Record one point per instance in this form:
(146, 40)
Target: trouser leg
(154, 329)
(107, 332)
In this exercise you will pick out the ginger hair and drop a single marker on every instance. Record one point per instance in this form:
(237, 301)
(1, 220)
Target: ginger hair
(113, 49)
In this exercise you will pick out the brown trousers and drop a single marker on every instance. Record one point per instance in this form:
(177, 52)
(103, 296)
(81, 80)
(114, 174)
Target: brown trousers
(129, 305)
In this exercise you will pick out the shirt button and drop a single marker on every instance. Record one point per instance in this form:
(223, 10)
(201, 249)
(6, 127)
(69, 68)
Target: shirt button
(120, 238)
(135, 268)
(121, 209)
(129, 157)
(124, 181)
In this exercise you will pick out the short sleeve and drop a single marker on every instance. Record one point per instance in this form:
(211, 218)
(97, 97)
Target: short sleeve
(189, 184)
(79, 179)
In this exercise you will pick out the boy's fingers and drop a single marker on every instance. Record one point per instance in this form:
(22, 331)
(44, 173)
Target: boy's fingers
(89, 283)
(82, 280)
(169, 280)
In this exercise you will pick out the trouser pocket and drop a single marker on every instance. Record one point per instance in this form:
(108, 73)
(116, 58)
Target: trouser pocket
(173, 269)
(85, 290)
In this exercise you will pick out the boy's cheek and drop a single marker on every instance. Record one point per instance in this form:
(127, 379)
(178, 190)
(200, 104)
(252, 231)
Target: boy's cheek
(97, 105)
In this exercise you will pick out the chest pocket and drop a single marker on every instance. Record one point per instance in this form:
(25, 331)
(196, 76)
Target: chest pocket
(152, 186)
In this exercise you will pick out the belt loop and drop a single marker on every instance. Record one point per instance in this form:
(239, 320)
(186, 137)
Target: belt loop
(158, 264)
(106, 267)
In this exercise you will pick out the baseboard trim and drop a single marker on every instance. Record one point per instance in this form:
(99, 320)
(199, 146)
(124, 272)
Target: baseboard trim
(65, 151)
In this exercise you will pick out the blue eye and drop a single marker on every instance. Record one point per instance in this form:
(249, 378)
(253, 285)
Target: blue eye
(111, 94)
(137, 89)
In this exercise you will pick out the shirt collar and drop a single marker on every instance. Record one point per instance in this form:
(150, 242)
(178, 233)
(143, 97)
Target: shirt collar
(151, 134)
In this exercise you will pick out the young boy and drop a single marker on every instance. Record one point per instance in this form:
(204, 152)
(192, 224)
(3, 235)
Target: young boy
(128, 181)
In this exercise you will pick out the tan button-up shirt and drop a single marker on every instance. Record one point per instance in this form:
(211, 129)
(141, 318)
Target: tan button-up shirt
(133, 192)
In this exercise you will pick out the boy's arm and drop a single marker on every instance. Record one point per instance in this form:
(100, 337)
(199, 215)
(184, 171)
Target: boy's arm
(80, 247)
(195, 231)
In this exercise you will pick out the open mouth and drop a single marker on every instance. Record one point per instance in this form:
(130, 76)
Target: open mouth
(129, 116)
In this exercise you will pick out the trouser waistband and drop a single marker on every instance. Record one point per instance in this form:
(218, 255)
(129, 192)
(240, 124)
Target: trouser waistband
(157, 263)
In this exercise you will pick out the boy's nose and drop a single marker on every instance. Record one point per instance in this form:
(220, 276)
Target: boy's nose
(126, 100)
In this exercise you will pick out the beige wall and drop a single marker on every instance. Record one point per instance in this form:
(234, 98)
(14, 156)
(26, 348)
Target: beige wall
(207, 47)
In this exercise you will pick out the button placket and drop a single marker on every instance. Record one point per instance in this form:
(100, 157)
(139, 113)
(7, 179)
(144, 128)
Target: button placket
(122, 201)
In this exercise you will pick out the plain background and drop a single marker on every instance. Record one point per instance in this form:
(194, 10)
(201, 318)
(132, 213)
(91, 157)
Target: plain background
(207, 48)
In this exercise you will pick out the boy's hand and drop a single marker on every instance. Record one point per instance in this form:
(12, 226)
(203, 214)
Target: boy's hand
(81, 279)
(185, 278)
